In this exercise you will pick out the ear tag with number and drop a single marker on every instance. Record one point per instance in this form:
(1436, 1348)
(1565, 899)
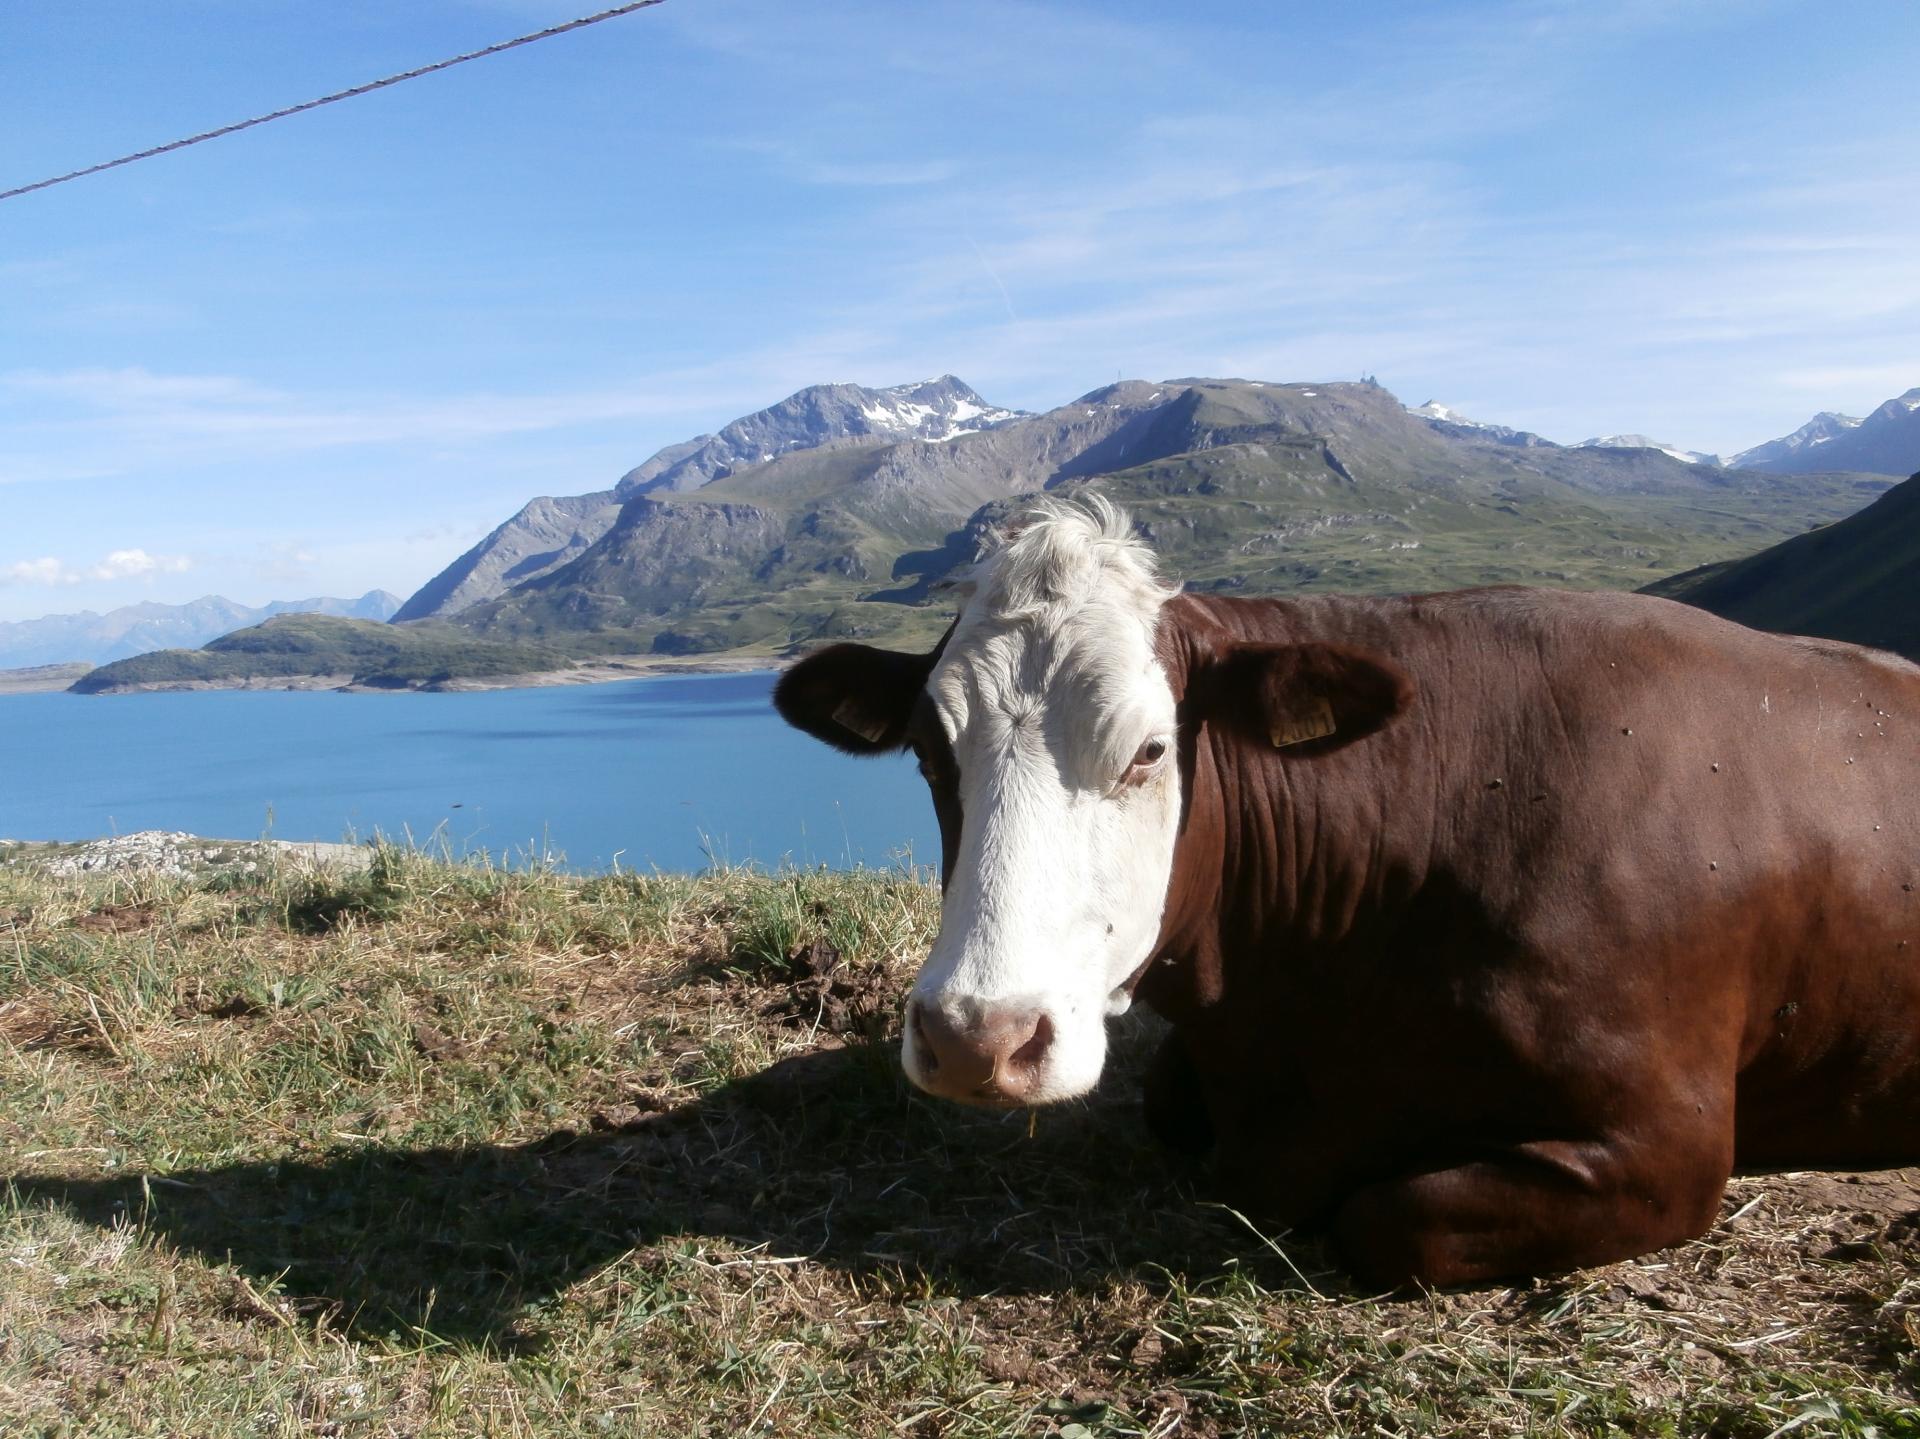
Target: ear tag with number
(1311, 719)
(849, 716)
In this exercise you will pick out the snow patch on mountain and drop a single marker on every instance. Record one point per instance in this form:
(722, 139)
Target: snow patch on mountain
(1449, 421)
(1822, 429)
(936, 410)
(1641, 442)
(1884, 442)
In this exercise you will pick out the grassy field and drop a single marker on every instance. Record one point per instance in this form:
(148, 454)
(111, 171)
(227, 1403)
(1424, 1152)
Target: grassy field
(429, 1150)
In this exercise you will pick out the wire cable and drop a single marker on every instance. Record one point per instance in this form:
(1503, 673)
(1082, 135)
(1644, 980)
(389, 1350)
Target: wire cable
(338, 95)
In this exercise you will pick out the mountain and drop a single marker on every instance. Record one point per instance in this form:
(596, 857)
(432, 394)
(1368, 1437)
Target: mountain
(1452, 422)
(312, 650)
(1886, 442)
(1856, 579)
(813, 530)
(1825, 426)
(551, 531)
(1245, 485)
(933, 410)
(135, 629)
(1641, 442)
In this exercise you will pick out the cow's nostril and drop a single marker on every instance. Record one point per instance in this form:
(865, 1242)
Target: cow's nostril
(1034, 1050)
(929, 1060)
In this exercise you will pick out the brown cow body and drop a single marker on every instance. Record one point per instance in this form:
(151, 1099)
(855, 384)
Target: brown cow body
(1495, 928)
(1626, 901)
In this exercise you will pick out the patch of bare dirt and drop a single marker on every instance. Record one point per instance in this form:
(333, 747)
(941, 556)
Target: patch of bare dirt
(29, 1022)
(826, 994)
(118, 918)
(437, 1045)
(196, 1002)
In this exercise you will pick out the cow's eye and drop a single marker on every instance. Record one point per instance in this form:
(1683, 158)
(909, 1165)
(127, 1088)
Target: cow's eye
(930, 767)
(1148, 755)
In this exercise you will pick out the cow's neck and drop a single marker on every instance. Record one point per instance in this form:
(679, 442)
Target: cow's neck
(1278, 858)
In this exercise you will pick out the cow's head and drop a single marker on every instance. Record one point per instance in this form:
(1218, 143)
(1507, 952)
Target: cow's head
(1046, 726)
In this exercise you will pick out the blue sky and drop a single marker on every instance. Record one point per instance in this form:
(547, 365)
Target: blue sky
(329, 353)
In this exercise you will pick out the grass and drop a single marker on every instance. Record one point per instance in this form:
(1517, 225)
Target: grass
(443, 1150)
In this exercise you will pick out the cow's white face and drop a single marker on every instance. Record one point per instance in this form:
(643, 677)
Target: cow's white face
(1061, 746)
(1054, 739)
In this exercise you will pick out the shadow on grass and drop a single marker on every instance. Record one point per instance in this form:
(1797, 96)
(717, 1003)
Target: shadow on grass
(827, 1155)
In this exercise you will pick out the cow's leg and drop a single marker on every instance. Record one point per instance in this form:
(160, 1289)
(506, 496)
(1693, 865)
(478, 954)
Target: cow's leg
(1176, 1100)
(1536, 1209)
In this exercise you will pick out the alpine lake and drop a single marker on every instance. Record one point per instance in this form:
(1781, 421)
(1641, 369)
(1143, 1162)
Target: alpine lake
(676, 773)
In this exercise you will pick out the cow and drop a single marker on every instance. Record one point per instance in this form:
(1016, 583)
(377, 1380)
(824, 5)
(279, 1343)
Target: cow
(1495, 928)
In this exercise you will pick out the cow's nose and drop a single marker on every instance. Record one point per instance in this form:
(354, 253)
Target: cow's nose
(993, 1058)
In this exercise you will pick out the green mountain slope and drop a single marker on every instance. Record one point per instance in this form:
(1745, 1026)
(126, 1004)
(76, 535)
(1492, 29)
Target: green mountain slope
(297, 646)
(1856, 579)
(1244, 485)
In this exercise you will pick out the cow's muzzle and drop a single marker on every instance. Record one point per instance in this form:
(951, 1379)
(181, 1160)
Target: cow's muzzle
(995, 1058)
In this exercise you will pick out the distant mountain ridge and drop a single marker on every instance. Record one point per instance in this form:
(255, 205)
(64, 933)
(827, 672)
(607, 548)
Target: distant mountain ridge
(1886, 442)
(1641, 442)
(838, 512)
(1825, 426)
(1245, 484)
(553, 530)
(135, 629)
(1452, 422)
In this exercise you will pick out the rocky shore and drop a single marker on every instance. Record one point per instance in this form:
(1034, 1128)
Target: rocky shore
(173, 853)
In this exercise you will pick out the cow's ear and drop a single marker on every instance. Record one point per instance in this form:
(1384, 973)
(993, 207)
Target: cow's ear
(854, 697)
(1309, 697)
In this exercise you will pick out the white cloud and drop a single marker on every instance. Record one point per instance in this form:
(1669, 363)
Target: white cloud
(117, 565)
(45, 571)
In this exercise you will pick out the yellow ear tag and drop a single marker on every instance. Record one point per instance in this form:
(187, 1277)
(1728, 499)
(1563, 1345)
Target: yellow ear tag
(851, 718)
(1312, 720)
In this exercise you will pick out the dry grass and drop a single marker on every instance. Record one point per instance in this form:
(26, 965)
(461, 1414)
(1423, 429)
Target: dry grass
(444, 1151)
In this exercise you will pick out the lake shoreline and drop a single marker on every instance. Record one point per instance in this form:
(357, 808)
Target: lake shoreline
(58, 679)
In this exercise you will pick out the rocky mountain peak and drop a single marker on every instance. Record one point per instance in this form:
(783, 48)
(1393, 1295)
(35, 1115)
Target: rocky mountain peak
(939, 409)
(1823, 427)
(552, 531)
(1886, 442)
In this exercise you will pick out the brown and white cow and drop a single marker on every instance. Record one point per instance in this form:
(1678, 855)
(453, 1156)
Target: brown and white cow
(1495, 927)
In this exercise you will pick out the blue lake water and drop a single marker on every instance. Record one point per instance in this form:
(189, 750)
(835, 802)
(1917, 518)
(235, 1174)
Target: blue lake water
(670, 773)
